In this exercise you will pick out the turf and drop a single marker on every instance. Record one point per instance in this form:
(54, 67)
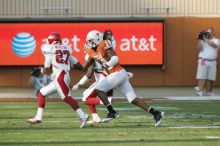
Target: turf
(185, 124)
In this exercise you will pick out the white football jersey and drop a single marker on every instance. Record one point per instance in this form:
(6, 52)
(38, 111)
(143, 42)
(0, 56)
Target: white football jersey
(59, 57)
(98, 71)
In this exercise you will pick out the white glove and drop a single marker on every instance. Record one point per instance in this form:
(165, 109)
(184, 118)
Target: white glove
(75, 87)
(130, 75)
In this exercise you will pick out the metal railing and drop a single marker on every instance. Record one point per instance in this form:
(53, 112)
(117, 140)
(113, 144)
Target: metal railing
(81, 8)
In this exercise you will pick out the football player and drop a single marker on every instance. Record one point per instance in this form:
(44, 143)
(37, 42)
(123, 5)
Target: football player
(89, 95)
(59, 57)
(102, 52)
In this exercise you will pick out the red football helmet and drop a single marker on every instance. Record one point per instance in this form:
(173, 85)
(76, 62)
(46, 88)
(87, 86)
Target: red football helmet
(54, 37)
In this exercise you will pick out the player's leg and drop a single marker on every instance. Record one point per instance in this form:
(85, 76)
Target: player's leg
(126, 88)
(45, 91)
(108, 83)
(110, 95)
(91, 100)
(62, 86)
(101, 93)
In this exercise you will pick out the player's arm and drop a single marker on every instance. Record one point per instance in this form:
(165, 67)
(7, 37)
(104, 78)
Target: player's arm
(88, 63)
(89, 72)
(111, 54)
(113, 58)
(74, 63)
(47, 65)
(84, 79)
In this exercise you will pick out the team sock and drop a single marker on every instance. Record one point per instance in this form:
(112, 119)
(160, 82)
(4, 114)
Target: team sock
(92, 108)
(110, 109)
(41, 100)
(96, 117)
(80, 112)
(72, 102)
(39, 115)
(152, 111)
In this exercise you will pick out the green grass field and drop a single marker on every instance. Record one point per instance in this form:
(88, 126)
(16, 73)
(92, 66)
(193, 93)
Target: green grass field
(185, 124)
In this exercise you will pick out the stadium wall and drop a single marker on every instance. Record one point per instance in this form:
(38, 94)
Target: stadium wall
(180, 58)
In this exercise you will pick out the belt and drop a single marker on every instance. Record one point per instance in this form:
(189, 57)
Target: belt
(207, 59)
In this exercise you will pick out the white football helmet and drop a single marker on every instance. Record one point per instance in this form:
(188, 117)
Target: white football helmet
(93, 38)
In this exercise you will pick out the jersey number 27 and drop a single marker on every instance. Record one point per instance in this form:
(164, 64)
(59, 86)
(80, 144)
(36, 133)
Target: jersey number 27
(62, 56)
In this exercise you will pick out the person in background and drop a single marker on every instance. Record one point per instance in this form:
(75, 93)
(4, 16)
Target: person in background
(38, 80)
(208, 46)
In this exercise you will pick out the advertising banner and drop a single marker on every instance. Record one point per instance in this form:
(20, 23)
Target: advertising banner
(136, 43)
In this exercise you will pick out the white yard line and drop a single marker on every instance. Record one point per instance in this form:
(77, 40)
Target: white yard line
(194, 127)
(193, 98)
(213, 137)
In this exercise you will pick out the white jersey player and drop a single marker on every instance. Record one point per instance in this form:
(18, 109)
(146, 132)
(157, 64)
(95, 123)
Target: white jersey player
(89, 95)
(59, 57)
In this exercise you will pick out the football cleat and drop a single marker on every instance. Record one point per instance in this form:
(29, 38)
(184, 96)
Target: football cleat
(33, 121)
(93, 121)
(158, 117)
(84, 121)
(110, 117)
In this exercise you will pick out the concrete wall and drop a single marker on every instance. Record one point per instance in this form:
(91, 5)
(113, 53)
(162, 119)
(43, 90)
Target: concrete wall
(180, 58)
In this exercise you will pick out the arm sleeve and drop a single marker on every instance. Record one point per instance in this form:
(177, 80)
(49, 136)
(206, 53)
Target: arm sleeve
(48, 61)
(83, 80)
(46, 50)
(73, 60)
(113, 61)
